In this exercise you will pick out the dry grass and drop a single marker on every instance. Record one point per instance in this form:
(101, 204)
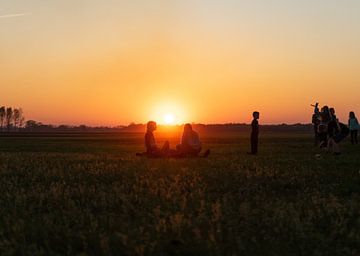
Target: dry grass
(92, 196)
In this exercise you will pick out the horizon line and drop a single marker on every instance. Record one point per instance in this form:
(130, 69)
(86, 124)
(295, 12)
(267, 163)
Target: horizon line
(169, 125)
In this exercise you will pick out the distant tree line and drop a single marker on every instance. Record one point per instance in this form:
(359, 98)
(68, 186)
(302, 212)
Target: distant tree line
(38, 127)
(14, 120)
(11, 119)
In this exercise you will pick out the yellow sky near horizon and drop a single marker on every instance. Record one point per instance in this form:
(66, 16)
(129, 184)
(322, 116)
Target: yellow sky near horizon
(115, 62)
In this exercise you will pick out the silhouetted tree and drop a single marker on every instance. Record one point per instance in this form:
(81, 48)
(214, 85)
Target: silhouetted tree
(16, 117)
(9, 118)
(21, 118)
(31, 125)
(2, 117)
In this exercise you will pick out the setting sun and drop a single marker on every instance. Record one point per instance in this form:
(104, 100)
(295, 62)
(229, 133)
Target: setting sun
(169, 119)
(209, 62)
(169, 113)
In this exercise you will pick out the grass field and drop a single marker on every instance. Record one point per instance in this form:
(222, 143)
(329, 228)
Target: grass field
(89, 195)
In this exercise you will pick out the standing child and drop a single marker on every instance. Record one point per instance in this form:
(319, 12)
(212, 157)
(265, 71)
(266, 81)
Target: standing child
(254, 133)
(354, 127)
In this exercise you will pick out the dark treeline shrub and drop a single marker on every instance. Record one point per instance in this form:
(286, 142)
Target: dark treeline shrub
(11, 119)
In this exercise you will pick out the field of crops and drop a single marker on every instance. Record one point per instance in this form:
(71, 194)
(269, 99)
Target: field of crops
(90, 195)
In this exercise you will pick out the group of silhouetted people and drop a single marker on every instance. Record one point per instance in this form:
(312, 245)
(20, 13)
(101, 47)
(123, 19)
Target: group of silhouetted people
(329, 131)
(190, 144)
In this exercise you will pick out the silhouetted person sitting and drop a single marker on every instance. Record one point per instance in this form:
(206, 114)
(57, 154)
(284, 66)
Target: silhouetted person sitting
(190, 142)
(254, 138)
(152, 150)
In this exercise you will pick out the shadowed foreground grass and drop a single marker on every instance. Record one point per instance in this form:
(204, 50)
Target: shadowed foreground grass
(90, 195)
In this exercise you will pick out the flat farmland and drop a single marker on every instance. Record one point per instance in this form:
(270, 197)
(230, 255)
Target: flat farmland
(88, 194)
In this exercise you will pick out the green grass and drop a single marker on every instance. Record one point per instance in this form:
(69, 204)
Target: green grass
(90, 195)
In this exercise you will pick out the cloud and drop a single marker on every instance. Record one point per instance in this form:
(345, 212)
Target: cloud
(13, 15)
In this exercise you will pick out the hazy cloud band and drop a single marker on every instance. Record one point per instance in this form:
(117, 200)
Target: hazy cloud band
(13, 15)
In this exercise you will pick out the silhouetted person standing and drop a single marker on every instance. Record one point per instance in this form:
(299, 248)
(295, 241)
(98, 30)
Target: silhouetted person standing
(316, 123)
(325, 118)
(354, 127)
(254, 138)
(336, 133)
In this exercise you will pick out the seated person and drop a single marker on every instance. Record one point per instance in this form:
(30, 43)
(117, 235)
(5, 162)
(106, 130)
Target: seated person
(152, 150)
(190, 142)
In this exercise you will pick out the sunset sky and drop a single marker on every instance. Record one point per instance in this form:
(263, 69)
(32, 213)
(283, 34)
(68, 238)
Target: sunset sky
(113, 62)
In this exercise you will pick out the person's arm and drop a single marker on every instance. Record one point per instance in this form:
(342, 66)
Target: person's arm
(316, 109)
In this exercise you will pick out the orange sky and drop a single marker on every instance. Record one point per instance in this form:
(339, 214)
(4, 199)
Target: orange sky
(115, 62)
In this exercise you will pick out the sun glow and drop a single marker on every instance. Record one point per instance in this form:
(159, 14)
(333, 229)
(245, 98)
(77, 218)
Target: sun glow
(169, 119)
(169, 113)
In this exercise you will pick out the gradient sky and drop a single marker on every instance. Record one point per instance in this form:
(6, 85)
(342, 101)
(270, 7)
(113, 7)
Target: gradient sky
(112, 62)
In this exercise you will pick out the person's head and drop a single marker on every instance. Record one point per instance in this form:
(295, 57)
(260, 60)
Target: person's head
(352, 114)
(256, 115)
(151, 126)
(332, 111)
(325, 109)
(187, 128)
